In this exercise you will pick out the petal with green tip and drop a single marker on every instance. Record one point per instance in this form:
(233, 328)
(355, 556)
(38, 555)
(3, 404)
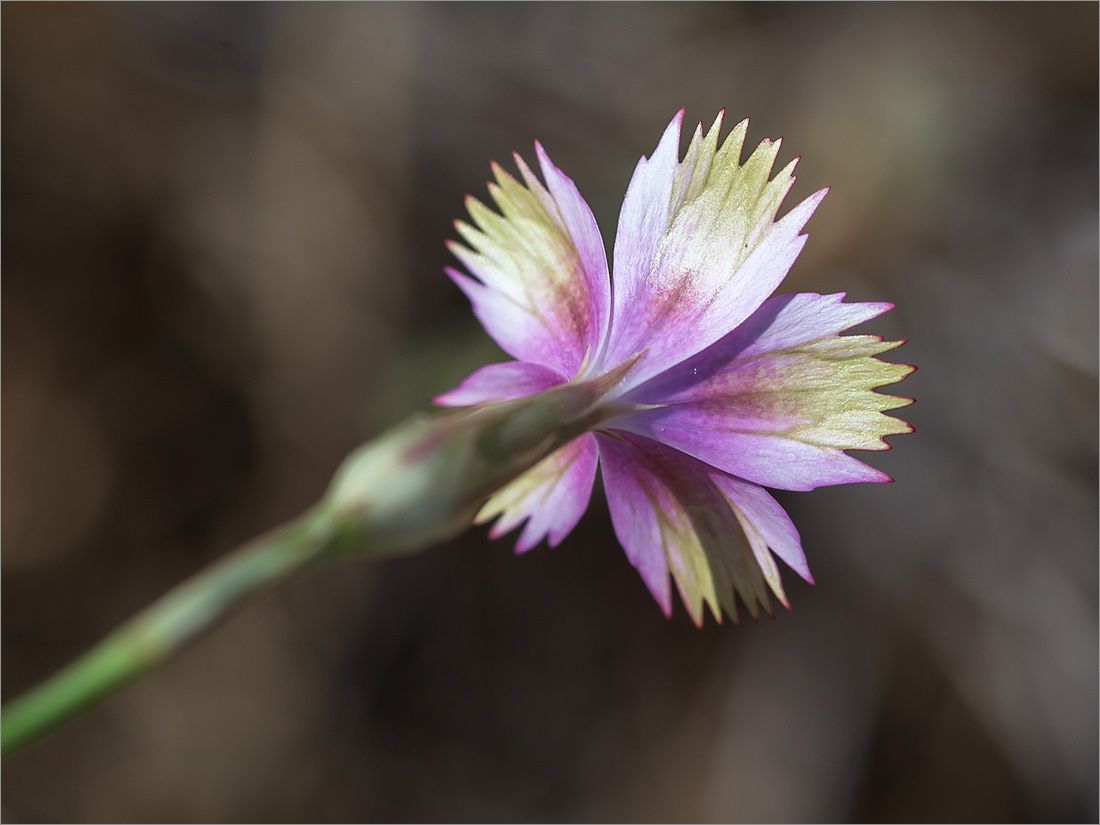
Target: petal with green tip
(675, 514)
(551, 497)
(501, 382)
(698, 247)
(779, 399)
(542, 289)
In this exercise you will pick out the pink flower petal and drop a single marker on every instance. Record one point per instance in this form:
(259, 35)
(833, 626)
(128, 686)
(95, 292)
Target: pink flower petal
(580, 223)
(779, 399)
(757, 507)
(635, 500)
(697, 249)
(551, 497)
(772, 461)
(501, 382)
(644, 218)
(790, 320)
(671, 515)
(542, 289)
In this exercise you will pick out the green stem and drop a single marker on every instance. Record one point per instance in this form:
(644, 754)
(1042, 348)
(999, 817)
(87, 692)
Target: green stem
(169, 624)
(420, 483)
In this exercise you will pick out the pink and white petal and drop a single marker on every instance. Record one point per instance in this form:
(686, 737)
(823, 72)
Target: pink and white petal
(786, 321)
(798, 324)
(543, 290)
(780, 416)
(689, 312)
(647, 520)
(720, 254)
(670, 516)
(645, 216)
(773, 461)
(500, 382)
(764, 560)
(552, 496)
(519, 333)
(581, 225)
(755, 506)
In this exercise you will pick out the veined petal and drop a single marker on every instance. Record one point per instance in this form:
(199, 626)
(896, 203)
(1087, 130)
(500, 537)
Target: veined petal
(779, 399)
(645, 216)
(789, 320)
(698, 248)
(501, 382)
(761, 515)
(674, 513)
(581, 225)
(552, 496)
(543, 290)
(637, 501)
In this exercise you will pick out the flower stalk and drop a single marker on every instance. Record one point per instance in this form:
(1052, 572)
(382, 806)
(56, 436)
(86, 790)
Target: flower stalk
(168, 625)
(418, 484)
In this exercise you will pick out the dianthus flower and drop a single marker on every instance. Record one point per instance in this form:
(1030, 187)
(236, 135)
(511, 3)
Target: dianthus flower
(718, 389)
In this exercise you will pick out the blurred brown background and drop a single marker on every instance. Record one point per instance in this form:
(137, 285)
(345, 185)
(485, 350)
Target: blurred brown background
(223, 242)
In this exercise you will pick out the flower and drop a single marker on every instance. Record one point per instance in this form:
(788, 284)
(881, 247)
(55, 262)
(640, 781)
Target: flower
(729, 390)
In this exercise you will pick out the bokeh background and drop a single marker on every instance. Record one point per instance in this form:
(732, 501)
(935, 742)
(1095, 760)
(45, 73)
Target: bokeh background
(223, 242)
